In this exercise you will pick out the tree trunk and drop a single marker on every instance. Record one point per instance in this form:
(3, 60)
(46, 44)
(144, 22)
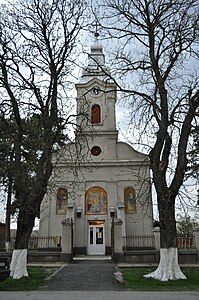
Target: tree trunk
(168, 233)
(25, 224)
(168, 268)
(8, 213)
(29, 206)
(18, 266)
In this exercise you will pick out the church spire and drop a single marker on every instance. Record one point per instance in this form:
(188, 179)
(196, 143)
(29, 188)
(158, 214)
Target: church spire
(96, 60)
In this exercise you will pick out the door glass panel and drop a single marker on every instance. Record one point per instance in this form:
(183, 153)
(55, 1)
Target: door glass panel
(99, 235)
(91, 235)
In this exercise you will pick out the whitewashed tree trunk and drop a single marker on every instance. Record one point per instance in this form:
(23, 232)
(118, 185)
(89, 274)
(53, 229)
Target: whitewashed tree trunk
(18, 266)
(8, 246)
(168, 268)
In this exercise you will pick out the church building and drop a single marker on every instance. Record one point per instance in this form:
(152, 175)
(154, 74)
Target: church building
(97, 177)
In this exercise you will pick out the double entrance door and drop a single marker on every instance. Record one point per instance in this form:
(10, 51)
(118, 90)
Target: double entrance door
(96, 238)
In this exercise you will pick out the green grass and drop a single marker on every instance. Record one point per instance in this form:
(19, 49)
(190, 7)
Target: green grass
(36, 279)
(134, 280)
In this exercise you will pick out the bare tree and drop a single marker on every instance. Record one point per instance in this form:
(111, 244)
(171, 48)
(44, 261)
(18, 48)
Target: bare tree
(38, 46)
(157, 54)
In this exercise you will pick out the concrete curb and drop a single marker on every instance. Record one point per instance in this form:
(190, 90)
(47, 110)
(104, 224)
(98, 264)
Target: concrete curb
(53, 274)
(47, 265)
(129, 265)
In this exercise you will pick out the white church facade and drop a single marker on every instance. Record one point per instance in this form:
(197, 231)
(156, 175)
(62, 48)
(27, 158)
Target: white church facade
(97, 177)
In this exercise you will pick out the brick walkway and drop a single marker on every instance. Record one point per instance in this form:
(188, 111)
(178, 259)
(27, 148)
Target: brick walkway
(89, 275)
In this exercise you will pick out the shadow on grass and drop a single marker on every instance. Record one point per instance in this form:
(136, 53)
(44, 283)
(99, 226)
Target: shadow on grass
(134, 280)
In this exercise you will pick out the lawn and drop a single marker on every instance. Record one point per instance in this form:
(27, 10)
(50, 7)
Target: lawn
(134, 280)
(36, 279)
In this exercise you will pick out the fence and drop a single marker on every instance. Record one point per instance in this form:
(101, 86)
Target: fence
(42, 243)
(186, 242)
(131, 242)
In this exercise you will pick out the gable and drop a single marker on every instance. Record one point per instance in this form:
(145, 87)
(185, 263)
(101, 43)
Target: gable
(126, 152)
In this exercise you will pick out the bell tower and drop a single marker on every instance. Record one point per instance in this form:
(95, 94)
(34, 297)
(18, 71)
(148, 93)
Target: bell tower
(96, 99)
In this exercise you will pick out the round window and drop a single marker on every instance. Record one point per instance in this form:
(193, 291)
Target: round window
(96, 151)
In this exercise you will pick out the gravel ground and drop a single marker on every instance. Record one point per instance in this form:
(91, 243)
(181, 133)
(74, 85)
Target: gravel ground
(85, 276)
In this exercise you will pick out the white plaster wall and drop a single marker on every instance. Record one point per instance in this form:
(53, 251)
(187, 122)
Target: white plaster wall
(126, 152)
(50, 224)
(103, 171)
(106, 99)
(80, 232)
(113, 180)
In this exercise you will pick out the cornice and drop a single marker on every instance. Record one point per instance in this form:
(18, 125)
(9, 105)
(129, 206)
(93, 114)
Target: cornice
(100, 164)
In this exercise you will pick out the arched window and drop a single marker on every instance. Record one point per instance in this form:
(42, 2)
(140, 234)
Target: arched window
(130, 200)
(96, 201)
(96, 114)
(62, 201)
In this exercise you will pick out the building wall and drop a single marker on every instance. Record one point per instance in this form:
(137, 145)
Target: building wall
(113, 179)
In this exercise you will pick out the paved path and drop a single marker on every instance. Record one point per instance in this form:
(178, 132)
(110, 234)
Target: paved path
(89, 275)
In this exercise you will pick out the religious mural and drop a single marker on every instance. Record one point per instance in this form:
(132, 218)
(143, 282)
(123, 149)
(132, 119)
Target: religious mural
(96, 201)
(62, 201)
(130, 200)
